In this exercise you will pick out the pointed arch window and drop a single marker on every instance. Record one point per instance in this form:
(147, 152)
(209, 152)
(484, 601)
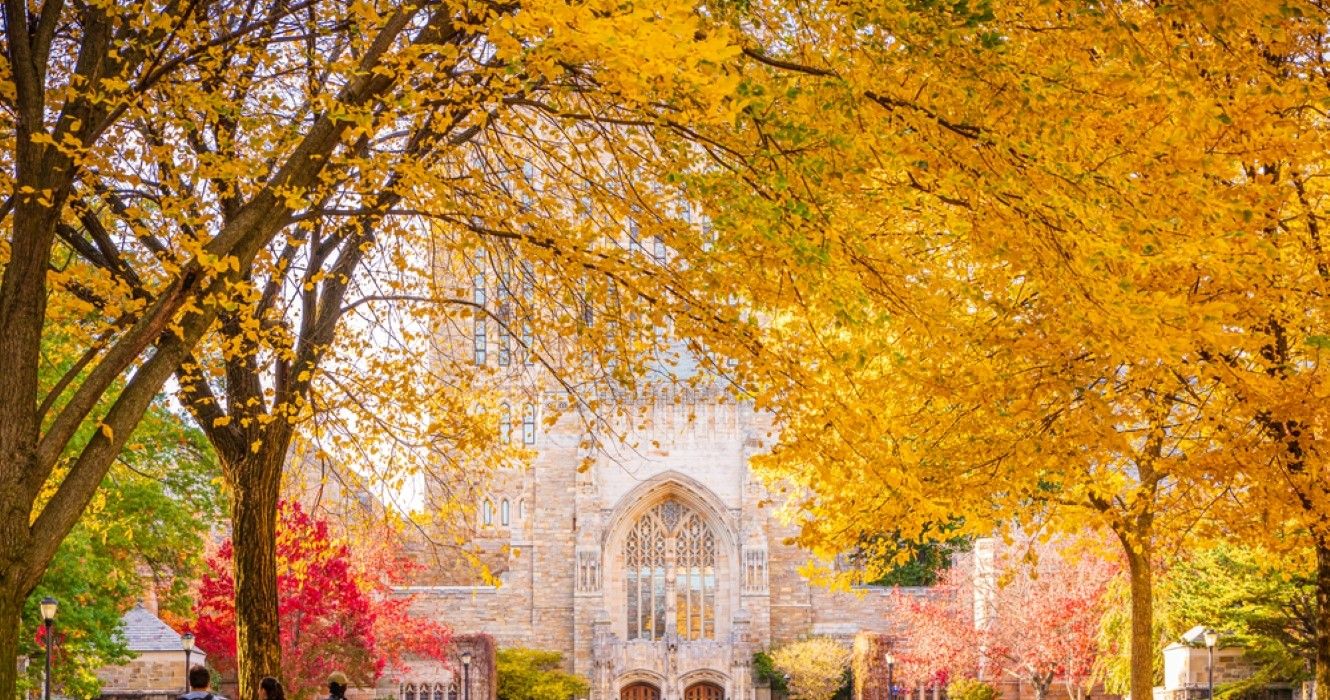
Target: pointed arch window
(409, 692)
(504, 511)
(670, 574)
(487, 512)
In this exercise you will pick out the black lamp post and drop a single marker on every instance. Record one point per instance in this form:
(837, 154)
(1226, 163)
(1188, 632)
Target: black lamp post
(187, 642)
(48, 606)
(1211, 639)
(466, 675)
(891, 676)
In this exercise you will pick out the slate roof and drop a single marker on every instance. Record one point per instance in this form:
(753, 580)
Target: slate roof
(145, 631)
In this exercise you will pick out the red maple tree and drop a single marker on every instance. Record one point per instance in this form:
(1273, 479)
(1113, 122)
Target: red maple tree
(335, 612)
(1036, 622)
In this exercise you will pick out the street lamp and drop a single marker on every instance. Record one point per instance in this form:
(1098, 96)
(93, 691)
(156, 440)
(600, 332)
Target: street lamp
(891, 673)
(48, 606)
(187, 641)
(466, 675)
(1211, 639)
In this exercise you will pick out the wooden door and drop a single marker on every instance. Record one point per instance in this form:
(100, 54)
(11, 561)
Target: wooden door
(704, 691)
(640, 691)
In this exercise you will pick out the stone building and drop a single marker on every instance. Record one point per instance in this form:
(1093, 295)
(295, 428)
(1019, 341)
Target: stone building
(158, 670)
(658, 571)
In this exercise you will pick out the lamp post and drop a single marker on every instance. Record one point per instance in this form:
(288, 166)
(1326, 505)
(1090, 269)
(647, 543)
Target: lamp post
(891, 673)
(1211, 639)
(48, 606)
(466, 675)
(187, 642)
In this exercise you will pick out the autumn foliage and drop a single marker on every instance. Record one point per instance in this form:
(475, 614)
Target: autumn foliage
(1035, 620)
(335, 614)
(815, 667)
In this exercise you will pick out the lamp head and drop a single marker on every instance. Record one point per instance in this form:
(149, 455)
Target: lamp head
(891, 660)
(466, 658)
(48, 605)
(1211, 638)
(187, 641)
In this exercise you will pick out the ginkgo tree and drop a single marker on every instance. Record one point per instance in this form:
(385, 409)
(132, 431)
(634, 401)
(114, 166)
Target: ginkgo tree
(223, 172)
(95, 95)
(1047, 257)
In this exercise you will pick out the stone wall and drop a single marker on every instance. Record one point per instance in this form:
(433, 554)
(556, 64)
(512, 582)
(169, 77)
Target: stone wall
(429, 679)
(150, 671)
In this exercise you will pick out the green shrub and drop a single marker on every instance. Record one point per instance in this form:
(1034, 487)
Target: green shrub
(764, 669)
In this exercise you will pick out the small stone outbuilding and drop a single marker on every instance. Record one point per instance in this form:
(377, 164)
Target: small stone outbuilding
(158, 669)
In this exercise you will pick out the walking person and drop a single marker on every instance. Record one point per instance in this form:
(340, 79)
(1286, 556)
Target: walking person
(271, 689)
(200, 686)
(337, 686)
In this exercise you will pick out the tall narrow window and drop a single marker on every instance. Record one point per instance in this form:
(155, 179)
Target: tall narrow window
(478, 340)
(670, 574)
(487, 512)
(505, 346)
(505, 424)
(634, 237)
(529, 424)
(659, 252)
(478, 279)
(438, 691)
(409, 692)
(528, 183)
(521, 509)
(503, 513)
(528, 343)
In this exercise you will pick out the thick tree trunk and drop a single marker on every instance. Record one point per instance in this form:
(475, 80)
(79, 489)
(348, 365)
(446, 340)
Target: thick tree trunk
(254, 536)
(10, 612)
(1322, 616)
(1141, 573)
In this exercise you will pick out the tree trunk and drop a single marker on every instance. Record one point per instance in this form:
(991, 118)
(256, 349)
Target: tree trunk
(1322, 689)
(11, 611)
(254, 537)
(1140, 570)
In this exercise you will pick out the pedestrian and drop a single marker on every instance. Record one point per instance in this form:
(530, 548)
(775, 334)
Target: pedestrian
(200, 686)
(271, 689)
(337, 686)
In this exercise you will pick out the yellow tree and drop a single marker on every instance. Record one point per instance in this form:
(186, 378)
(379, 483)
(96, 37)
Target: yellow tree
(172, 145)
(815, 667)
(1028, 228)
(108, 147)
(539, 152)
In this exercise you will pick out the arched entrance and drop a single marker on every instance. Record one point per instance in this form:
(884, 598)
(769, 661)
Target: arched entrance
(639, 691)
(704, 691)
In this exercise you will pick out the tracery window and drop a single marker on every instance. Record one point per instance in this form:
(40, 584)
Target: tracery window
(670, 573)
(409, 692)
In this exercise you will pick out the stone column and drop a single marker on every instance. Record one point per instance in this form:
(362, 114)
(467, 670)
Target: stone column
(741, 664)
(602, 657)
